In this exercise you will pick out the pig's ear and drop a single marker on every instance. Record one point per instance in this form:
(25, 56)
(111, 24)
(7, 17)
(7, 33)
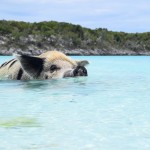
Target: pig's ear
(82, 62)
(31, 65)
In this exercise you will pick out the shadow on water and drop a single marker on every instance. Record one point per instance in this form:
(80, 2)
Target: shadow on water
(54, 83)
(46, 89)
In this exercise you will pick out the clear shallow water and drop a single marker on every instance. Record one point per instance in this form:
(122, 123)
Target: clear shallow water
(108, 110)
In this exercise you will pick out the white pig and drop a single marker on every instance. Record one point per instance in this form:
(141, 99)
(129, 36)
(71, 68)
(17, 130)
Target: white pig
(49, 65)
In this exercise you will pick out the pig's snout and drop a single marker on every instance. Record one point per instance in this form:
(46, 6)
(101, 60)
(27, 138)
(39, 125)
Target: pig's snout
(80, 71)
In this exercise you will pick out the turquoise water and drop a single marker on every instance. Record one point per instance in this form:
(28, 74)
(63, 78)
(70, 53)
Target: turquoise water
(108, 110)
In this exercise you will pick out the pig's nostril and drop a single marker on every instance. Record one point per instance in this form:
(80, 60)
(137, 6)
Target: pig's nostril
(85, 71)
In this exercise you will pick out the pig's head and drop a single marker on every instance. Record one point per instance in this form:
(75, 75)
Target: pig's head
(52, 65)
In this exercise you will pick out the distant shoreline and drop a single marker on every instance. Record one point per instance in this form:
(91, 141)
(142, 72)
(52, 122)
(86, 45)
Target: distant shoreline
(36, 38)
(78, 53)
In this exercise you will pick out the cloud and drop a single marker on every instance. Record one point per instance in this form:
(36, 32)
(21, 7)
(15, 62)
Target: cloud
(119, 15)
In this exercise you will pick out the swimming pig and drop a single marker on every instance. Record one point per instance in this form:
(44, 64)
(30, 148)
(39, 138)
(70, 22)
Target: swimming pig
(49, 65)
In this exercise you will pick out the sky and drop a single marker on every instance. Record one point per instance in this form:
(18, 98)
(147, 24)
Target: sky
(115, 15)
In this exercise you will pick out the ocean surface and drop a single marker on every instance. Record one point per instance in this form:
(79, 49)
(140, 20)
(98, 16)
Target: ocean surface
(108, 110)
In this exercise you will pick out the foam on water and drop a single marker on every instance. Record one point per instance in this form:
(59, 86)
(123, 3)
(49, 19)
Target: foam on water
(108, 110)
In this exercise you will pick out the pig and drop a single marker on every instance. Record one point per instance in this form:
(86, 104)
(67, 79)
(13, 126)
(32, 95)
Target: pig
(49, 65)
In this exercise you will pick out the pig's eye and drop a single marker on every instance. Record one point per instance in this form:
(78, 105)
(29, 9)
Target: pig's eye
(53, 68)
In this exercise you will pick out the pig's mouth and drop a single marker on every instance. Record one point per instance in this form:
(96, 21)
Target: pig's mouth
(78, 71)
